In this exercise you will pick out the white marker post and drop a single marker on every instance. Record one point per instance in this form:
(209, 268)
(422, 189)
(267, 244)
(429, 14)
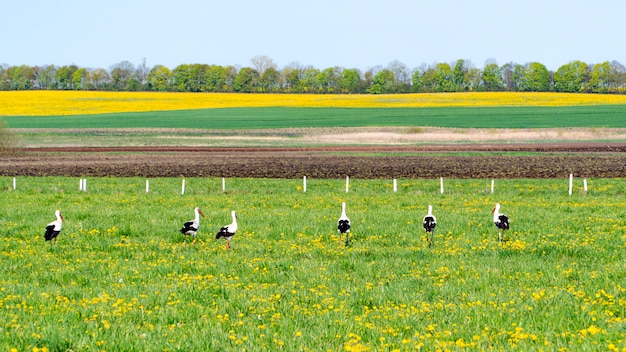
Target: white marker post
(395, 186)
(223, 184)
(492, 184)
(80, 184)
(304, 184)
(147, 186)
(14, 184)
(441, 184)
(84, 185)
(585, 185)
(182, 191)
(347, 183)
(571, 183)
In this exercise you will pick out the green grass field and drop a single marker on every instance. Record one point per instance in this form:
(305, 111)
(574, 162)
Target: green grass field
(120, 278)
(612, 116)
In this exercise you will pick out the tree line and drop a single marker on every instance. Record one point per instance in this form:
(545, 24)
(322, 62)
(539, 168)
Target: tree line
(263, 76)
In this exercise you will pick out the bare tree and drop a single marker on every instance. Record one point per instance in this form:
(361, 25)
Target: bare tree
(142, 71)
(400, 71)
(262, 63)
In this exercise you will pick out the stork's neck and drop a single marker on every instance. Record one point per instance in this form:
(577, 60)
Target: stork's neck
(430, 210)
(58, 215)
(343, 209)
(496, 212)
(234, 217)
(197, 212)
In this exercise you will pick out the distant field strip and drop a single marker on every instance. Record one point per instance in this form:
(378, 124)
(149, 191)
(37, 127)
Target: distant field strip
(602, 116)
(61, 103)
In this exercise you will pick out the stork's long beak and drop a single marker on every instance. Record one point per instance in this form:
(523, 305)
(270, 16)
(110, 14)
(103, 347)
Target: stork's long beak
(492, 210)
(61, 215)
(201, 213)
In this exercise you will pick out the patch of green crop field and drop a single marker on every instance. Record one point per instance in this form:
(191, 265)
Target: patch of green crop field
(120, 277)
(611, 116)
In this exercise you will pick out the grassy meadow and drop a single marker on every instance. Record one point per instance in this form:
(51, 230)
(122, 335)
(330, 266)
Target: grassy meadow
(120, 278)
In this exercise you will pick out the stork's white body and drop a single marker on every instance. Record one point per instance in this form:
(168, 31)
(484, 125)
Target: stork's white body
(227, 232)
(343, 224)
(429, 223)
(190, 228)
(54, 228)
(500, 220)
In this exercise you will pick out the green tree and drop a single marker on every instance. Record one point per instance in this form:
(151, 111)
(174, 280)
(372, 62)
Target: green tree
(350, 81)
(230, 73)
(492, 78)
(247, 80)
(443, 78)
(599, 77)
(618, 77)
(308, 80)
(460, 82)
(328, 80)
(474, 79)
(215, 78)
(416, 81)
(64, 76)
(3, 79)
(270, 80)
(181, 78)
(197, 78)
(78, 78)
(535, 78)
(383, 82)
(21, 77)
(159, 79)
(571, 77)
(45, 77)
(293, 77)
(133, 84)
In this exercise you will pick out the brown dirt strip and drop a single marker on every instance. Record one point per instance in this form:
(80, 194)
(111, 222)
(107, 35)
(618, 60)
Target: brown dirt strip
(561, 159)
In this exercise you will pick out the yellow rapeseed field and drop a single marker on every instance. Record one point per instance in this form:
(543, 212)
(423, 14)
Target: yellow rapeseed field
(48, 103)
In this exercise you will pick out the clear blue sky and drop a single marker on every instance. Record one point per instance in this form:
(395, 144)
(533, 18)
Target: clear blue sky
(322, 33)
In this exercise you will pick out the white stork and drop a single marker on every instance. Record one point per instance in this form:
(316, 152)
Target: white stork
(227, 232)
(190, 228)
(501, 221)
(343, 224)
(54, 228)
(429, 223)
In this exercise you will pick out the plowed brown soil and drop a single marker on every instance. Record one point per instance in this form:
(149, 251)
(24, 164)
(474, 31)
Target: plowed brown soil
(427, 161)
